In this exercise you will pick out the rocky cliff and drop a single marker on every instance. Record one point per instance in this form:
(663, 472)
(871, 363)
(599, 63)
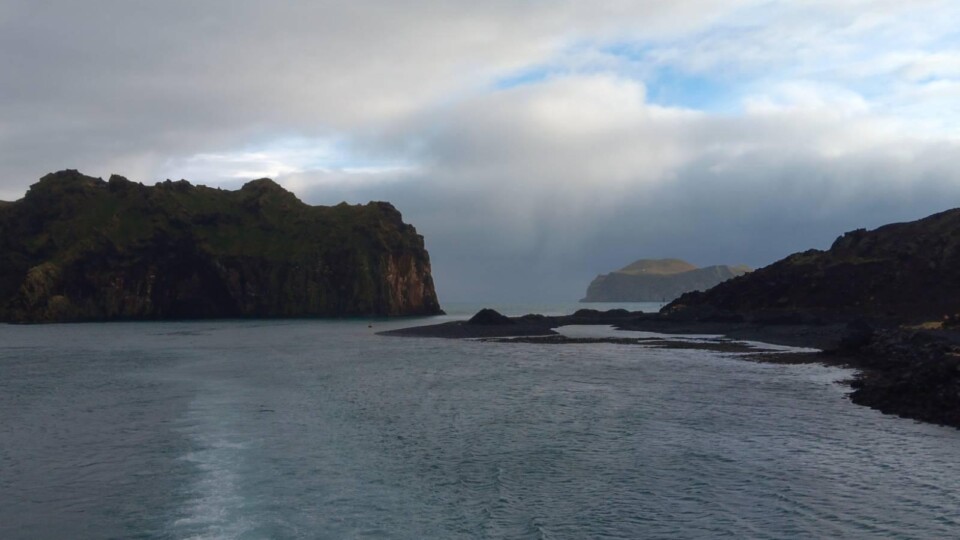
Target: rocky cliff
(77, 248)
(657, 280)
(900, 272)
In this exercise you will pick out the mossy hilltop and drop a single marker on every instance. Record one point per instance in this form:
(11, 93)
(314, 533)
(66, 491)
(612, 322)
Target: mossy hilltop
(78, 248)
(656, 280)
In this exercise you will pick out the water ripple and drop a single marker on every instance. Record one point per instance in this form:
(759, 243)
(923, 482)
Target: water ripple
(322, 430)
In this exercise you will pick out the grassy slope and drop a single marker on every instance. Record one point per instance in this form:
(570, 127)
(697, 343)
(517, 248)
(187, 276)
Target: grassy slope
(657, 267)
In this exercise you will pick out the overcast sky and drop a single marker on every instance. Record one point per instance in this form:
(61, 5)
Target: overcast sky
(533, 143)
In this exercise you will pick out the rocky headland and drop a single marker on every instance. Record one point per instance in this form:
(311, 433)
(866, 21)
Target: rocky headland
(884, 302)
(897, 291)
(657, 280)
(77, 248)
(900, 273)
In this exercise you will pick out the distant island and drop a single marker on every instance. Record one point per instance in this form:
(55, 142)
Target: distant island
(78, 248)
(657, 280)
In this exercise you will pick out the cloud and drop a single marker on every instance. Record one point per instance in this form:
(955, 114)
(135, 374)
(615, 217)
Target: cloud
(85, 81)
(534, 144)
(531, 191)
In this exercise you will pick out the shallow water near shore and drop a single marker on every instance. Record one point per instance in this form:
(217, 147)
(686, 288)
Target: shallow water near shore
(323, 429)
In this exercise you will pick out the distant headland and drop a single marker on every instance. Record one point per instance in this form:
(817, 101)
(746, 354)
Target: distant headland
(657, 280)
(78, 248)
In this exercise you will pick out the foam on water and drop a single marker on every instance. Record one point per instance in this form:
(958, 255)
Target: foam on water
(213, 506)
(609, 331)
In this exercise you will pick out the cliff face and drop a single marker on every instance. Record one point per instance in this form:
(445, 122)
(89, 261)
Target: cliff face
(76, 248)
(903, 272)
(656, 281)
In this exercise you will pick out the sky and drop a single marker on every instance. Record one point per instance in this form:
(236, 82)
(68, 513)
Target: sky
(534, 144)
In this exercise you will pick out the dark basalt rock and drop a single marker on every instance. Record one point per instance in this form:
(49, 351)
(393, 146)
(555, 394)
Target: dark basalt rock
(594, 315)
(77, 248)
(897, 289)
(489, 316)
(909, 373)
(903, 272)
(858, 335)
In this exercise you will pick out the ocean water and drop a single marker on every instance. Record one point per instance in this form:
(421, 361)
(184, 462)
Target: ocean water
(323, 429)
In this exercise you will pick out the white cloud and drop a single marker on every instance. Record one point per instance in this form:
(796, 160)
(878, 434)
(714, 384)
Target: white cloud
(809, 96)
(525, 139)
(552, 182)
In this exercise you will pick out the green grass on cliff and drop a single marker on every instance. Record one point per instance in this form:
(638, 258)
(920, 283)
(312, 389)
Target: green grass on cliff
(657, 267)
(87, 226)
(262, 219)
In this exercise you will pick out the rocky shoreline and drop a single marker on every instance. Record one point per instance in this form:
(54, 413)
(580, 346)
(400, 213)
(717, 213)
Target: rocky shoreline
(909, 372)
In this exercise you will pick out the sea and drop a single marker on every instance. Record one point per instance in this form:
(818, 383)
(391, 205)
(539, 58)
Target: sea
(275, 429)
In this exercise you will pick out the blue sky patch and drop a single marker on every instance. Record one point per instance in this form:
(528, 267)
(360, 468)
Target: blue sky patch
(673, 88)
(524, 77)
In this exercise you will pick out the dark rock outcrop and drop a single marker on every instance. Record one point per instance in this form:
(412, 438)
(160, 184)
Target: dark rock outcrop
(77, 248)
(489, 316)
(660, 280)
(908, 372)
(897, 288)
(904, 272)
